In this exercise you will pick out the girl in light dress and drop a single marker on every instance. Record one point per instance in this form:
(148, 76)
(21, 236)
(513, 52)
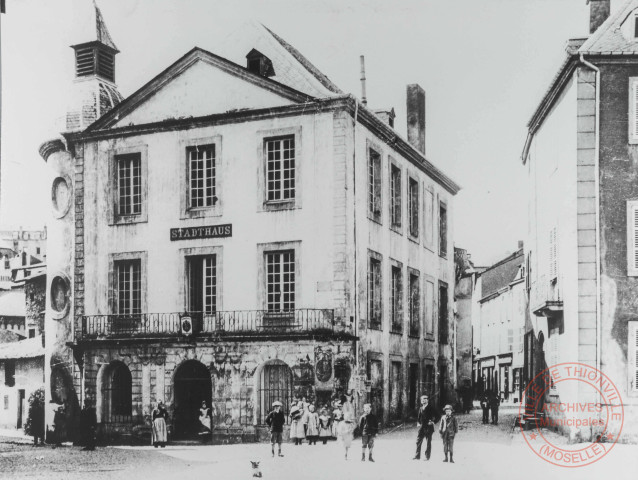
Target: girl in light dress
(312, 425)
(325, 426)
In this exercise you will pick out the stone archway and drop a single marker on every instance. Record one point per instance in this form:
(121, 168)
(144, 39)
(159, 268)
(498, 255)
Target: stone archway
(191, 385)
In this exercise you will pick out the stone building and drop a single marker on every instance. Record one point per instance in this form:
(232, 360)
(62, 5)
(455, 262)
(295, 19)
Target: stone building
(583, 269)
(242, 231)
(498, 363)
(21, 373)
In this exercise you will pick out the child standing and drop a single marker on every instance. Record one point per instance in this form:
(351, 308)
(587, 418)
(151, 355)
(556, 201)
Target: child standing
(275, 420)
(325, 426)
(448, 429)
(312, 420)
(297, 431)
(369, 426)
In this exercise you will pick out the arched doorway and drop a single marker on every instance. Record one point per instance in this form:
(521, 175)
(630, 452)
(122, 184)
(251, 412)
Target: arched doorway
(192, 385)
(275, 384)
(117, 388)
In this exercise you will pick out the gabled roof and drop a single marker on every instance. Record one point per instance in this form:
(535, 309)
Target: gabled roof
(608, 39)
(196, 54)
(28, 348)
(501, 274)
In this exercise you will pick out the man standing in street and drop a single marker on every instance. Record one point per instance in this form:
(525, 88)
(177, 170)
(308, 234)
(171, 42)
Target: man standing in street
(495, 402)
(369, 426)
(426, 419)
(275, 420)
(485, 406)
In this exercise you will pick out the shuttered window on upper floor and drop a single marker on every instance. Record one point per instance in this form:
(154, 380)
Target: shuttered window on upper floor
(632, 356)
(633, 110)
(632, 238)
(553, 254)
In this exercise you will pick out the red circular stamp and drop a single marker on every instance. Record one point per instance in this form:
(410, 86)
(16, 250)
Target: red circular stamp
(580, 402)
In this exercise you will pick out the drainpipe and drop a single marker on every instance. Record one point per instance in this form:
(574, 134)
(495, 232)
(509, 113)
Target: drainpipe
(597, 217)
(354, 221)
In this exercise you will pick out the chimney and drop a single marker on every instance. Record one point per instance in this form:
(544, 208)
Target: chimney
(386, 115)
(520, 244)
(415, 106)
(598, 13)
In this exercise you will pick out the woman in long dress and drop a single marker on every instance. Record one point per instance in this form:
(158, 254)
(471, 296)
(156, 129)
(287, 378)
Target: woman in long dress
(205, 423)
(159, 416)
(297, 424)
(312, 422)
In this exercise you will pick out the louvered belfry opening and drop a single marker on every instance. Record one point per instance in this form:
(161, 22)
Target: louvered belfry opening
(93, 59)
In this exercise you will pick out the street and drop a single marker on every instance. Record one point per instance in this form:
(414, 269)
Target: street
(481, 451)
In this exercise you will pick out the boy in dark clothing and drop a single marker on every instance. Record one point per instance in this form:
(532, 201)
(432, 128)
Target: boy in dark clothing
(485, 406)
(449, 428)
(369, 426)
(426, 419)
(495, 401)
(276, 420)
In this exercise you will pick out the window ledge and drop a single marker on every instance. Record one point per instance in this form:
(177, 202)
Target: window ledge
(413, 238)
(374, 219)
(280, 205)
(397, 229)
(202, 212)
(129, 219)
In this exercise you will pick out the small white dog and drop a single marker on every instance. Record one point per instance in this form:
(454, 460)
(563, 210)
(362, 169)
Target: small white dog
(256, 470)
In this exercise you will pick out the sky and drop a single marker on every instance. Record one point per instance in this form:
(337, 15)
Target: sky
(483, 64)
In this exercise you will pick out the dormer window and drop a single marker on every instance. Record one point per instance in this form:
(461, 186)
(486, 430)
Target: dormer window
(259, 64)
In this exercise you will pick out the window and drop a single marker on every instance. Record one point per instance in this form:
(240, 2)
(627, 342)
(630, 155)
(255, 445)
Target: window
(415, 304)
(129, 184)
(280, 168)
(374, 185)
(9, 373)
(632, 356)
(633, 110)
(7, 265)
(429, 307)
(202, 283)
(396, 390)
(280, 280)
(32, 333)
(395, 197)
(201, 178)
(117, 394)
(375, 304)
(428, 382)
(443, 314)
(632, 238)
(428, 214)
(6, 402)
(553, 255)
(413, 207)
(128, 287)
(442, 229)
(396, 300)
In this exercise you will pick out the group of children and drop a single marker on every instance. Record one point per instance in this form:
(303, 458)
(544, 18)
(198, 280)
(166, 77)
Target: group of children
(306, 423)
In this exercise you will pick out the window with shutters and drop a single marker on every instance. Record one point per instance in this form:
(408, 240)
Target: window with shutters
(375, 304)
(443, 314)
(429, 308)
(374, 185)
(395, 197)
(632, 238)
(428, 219)
(632, 356)
(633, 110)
(396, 299)
(413, 207)
(553, 254)
(442, 229)
(414, 303)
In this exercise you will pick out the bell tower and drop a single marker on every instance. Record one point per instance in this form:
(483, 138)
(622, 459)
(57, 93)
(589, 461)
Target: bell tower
(94, 88)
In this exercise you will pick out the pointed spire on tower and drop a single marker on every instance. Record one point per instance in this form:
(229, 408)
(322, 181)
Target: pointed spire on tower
(95, 91)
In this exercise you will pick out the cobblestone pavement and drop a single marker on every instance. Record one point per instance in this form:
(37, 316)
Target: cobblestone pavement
(481, 451)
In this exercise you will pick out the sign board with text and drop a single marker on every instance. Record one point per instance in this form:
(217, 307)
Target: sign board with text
(209, 231)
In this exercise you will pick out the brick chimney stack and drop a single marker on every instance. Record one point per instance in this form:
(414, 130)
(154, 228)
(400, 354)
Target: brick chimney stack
(598, 13)
(415, 104)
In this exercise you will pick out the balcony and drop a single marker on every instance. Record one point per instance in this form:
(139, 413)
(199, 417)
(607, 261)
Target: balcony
(260, 324)
(546, 297)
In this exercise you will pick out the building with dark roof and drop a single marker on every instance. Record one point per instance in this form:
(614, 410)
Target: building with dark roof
(499, 328)
(582, 247)
(239, 231)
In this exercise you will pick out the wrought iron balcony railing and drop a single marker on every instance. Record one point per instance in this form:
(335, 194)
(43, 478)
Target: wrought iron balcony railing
(221, 323)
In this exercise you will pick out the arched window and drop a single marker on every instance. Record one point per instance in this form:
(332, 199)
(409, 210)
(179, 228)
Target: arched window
(116, 391)
(275, 384)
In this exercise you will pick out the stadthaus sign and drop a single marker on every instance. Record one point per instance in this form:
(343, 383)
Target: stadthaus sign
(210, 231)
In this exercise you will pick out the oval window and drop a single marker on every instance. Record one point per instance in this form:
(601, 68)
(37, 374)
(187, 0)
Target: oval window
(61, 196)
(60, 295)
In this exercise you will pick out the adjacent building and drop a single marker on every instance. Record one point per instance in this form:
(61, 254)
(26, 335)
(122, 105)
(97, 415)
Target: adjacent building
(582, 264)
(242, 233)
(498, 341)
